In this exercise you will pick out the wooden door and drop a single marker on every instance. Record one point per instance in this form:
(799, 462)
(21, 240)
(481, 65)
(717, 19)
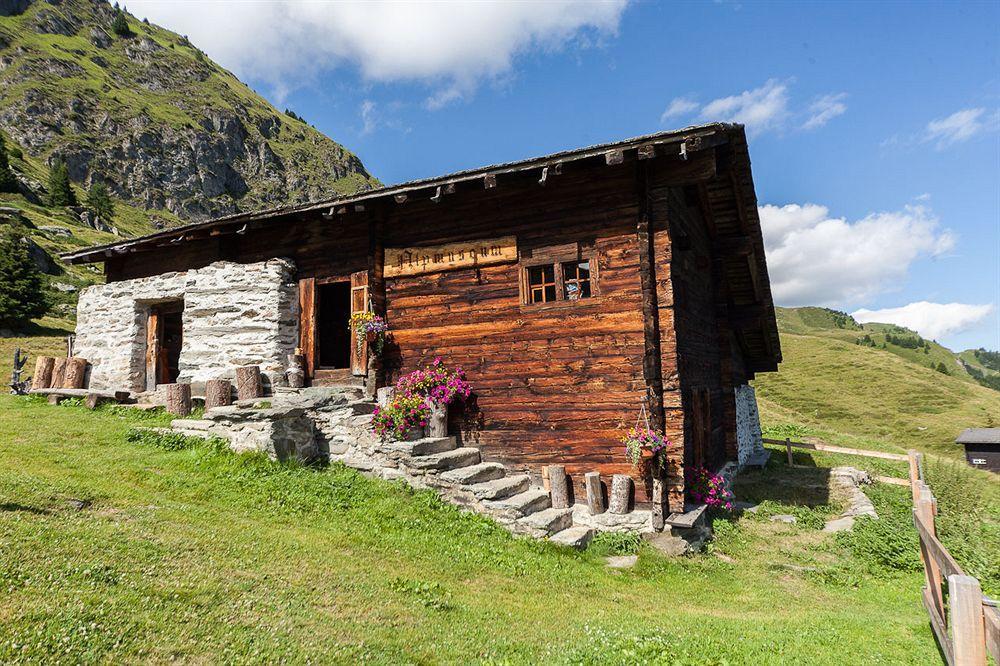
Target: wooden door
(153, 337)
(308, 307)
(701, 426)
(359, 303)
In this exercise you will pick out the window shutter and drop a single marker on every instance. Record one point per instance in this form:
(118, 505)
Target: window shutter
(308, 308)
(359, 303)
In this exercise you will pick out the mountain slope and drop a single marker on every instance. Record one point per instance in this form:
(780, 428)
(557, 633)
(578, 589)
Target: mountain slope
(152, 117)
(827, 380)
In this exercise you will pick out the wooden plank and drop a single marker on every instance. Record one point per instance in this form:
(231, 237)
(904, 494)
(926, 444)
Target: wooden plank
(82, 393)
(968, 635)
(359, 303)
(838, 449)
(939, 628)
(403, 261)
(892, 480)
(991, 617)
(936, 550)
(308, 311)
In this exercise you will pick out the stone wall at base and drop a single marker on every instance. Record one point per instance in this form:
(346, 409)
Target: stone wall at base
(234, 314)
(748, 436)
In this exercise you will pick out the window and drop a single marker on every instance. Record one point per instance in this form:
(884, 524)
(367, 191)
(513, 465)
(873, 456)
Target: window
(541, 284)
(576, 279)
(554, 275)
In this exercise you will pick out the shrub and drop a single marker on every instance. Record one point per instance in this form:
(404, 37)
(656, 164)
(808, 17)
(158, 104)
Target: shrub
(703, 486)
(7, 181)
(60, 191)
(22, 297)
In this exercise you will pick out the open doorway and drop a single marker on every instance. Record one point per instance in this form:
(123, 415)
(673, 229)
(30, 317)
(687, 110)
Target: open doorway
(334, 322)
(164, 340)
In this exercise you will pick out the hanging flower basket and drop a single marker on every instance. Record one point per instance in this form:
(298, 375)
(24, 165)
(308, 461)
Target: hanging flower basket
(371, 328)
(645, 448)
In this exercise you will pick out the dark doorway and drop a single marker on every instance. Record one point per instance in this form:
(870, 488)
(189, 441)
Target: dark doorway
(334, 322)
(165, 338)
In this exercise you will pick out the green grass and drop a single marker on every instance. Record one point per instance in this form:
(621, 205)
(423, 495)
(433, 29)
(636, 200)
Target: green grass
(188, 552)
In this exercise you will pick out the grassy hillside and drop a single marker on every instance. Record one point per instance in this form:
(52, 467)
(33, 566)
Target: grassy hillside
(119, 551)
(828, 381)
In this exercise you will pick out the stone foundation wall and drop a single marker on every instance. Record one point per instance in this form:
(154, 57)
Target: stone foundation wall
(749, 443)
(234, 314)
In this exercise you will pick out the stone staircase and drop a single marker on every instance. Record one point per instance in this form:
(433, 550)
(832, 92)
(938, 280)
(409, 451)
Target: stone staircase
(332, 423)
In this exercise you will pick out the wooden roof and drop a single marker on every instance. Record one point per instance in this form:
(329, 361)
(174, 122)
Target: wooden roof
(979, 436)
(727, 193)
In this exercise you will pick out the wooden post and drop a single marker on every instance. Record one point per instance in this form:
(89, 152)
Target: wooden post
(788, 449)
(43, 372)
(93, 400)
(967, 628)
(621, 484)
(76, 373)
(58, 373)
(437, 422)
(658, 519)
(218, 393)
(55, 399)
(558, 487)
(595, 497)
(911, 457)
(925, 514)
(385, 394)
(179, 399)
(296, 370)
(248, 383)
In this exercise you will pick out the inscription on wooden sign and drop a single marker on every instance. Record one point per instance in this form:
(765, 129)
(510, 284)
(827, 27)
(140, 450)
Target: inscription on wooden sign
(432, 259)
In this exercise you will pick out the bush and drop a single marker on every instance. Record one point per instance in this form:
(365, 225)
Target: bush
(60, 191)
(7, 181)
(22, 297)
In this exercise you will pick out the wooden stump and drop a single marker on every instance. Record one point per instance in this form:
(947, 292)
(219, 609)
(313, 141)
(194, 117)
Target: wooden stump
(76, 373)
(179, 399)
(218, 393)
(59, 372)
(55, 399)
(296, 370)
(94, 400)
(558, 487)
(385, 395)
(42, 378)
(595, 495)
(248, 383)
(659, 497)
(437, 422)
(621, 485)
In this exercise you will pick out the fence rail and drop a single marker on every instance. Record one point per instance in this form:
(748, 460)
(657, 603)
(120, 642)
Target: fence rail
(965, 624)
(789, 444)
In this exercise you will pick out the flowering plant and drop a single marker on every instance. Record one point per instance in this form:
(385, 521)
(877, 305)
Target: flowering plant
(369, 325)
(642, 442)
(703, 486)
(402, 414)
(436, 383)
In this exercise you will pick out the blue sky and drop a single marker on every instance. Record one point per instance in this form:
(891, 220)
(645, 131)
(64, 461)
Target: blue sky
(874, 127)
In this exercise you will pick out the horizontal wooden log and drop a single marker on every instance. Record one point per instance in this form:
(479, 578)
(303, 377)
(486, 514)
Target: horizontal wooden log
(118, 396)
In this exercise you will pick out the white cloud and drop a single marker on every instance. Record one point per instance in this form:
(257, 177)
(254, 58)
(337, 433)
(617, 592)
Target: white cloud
(368, 119)
(816, 259)
(959, 126)
(679, 106)
(759, 109)
(825, 109)
(931, 320)
(450, 46)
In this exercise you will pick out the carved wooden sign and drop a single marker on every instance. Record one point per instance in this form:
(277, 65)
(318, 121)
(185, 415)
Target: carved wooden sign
(435, 258)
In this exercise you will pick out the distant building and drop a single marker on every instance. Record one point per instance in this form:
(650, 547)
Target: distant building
(982, 447)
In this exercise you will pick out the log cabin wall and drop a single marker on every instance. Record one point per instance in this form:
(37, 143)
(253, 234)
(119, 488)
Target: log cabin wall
(554, 383)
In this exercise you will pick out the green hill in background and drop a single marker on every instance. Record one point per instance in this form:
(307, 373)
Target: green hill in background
(873, 381)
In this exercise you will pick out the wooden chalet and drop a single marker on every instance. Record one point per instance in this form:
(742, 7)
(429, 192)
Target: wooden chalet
(572, 289)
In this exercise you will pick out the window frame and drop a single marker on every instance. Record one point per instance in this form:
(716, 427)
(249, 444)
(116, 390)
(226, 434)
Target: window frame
(555, 257)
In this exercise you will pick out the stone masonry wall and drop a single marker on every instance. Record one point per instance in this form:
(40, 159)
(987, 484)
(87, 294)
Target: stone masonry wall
(748, 435)
(234, 314)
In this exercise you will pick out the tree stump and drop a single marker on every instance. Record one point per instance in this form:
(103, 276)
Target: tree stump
(621, 485)
(659, 498)
(296, 370)
(558, 487)
(58, 372)
(385, 395)
(595, 495)
(43, 372)
(179, 399)
(248, 383)
(218, 393)
(437, 422)
(76, 373)
(55, 399)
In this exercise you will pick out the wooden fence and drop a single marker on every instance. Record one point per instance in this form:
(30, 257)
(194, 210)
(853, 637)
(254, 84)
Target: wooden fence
(965, 623)
(953, 600)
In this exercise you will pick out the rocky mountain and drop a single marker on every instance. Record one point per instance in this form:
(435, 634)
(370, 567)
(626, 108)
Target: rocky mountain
(142, 110)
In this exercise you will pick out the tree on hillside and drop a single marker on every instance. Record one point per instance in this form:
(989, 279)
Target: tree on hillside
(21, 288)
(60, 192)
(940, 367)
(99, 201)
(7, 181)
(120, 24)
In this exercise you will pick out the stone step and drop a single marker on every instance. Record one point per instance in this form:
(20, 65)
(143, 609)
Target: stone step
(448, 460)
(191, 433)
(521, 504)
(501, 488)
(467, 476)
(191, 424)
(362, 406)
(423, 447)
(547, 522)
(574, 537)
